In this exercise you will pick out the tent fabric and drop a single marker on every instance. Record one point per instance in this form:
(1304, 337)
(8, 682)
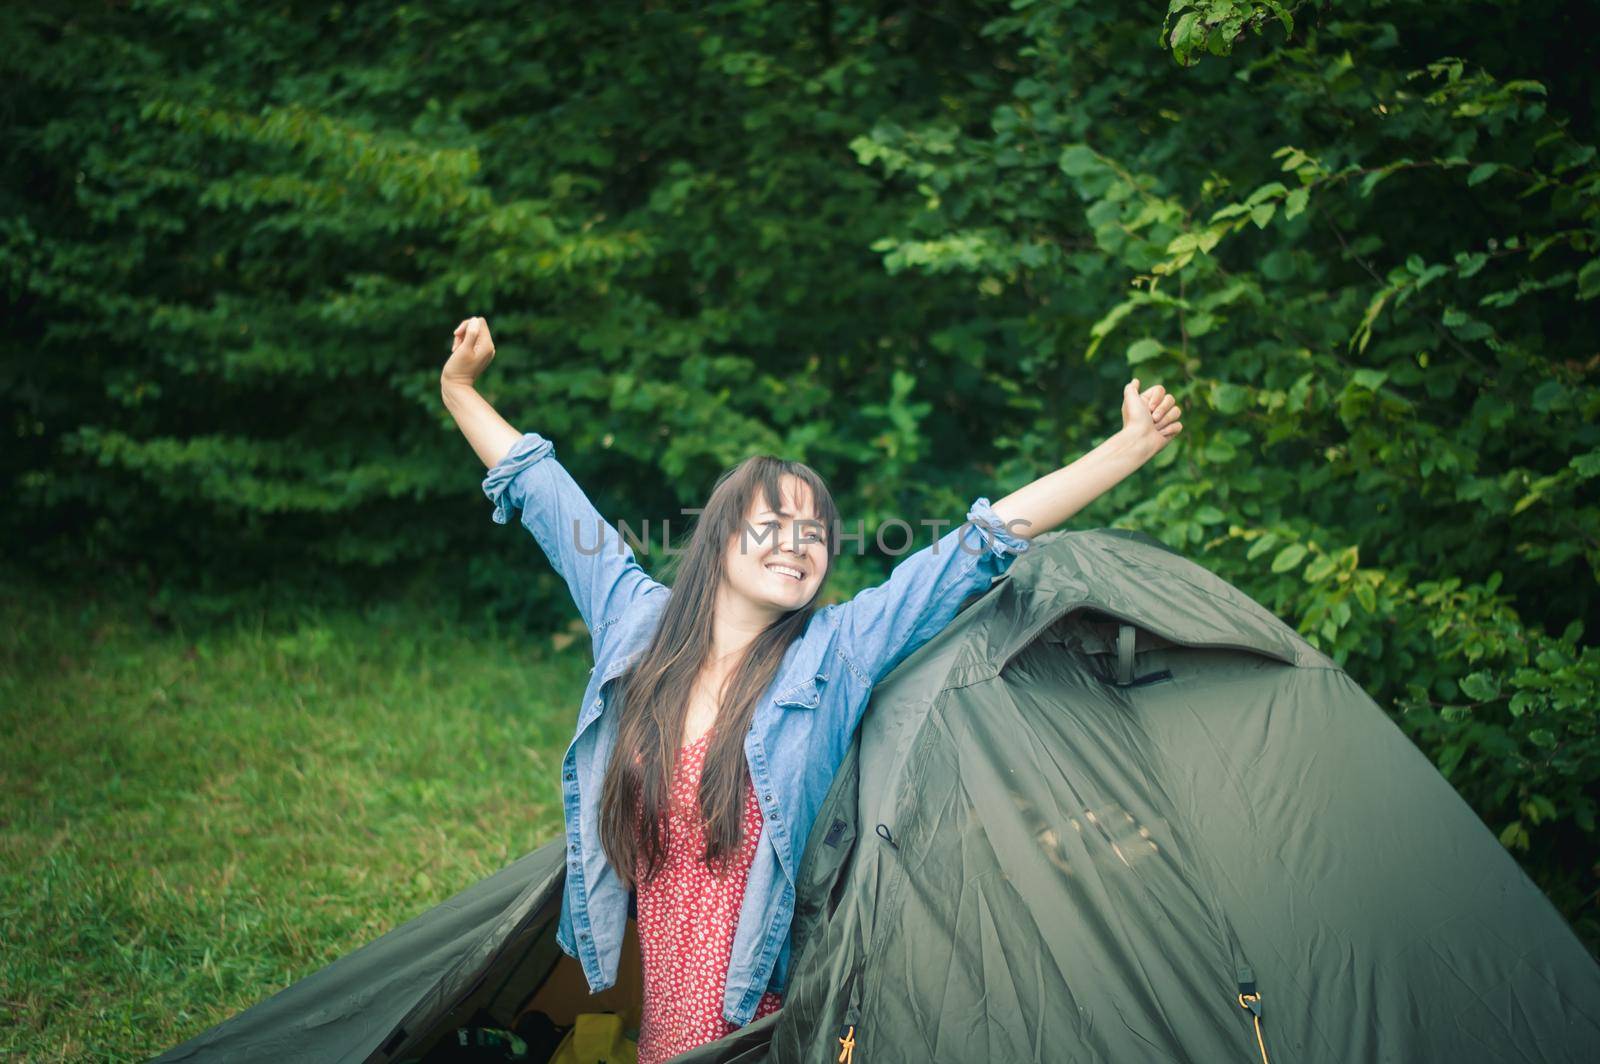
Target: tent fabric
(1053, 867)
(1112, 792)
(349, 1009)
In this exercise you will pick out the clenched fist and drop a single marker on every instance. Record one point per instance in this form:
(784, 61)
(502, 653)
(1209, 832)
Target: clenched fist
(471, 352)
(1150, 417)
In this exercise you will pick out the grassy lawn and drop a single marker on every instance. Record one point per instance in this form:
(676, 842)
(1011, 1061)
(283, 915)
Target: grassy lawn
(192, 819)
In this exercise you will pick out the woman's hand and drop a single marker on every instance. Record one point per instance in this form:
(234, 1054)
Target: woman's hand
(1149, 418)
(471, 352)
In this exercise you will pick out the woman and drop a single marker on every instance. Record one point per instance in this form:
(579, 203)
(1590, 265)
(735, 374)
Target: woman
(718, 709)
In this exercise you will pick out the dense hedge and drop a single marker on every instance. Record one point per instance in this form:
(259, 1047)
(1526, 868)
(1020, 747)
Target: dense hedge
(917, 245)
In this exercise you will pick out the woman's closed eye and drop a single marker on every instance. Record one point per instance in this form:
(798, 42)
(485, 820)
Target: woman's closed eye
(809, 535)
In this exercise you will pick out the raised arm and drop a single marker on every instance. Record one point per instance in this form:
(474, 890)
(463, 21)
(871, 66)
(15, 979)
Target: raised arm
(883, 625)
(600, 569)
(1149, 422)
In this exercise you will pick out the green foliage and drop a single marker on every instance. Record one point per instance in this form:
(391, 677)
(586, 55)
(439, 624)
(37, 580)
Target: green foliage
(1365, 265)
(921, 248)
(236, 260)
(1214, 25)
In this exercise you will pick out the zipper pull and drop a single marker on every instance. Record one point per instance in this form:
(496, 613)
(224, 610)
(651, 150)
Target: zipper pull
(852, 1015)
(847, 1045)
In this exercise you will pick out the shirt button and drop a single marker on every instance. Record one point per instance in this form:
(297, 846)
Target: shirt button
(768, 798)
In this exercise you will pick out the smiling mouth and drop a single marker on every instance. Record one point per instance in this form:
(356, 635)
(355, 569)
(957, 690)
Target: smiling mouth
(786, 570)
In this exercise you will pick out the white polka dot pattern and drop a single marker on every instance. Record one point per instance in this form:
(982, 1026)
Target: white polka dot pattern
(686, 920)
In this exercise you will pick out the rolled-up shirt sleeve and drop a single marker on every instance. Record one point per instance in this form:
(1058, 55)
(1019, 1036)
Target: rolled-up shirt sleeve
(599, 567)
(497, 485)
(996, 536)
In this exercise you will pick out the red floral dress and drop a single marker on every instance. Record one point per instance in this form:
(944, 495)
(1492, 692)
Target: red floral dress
(686, 921)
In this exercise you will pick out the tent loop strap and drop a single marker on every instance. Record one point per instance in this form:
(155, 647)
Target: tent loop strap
(1251, 1003)
(1125, 654)
(1127, 645)
(1250, 1000)
(886, 836)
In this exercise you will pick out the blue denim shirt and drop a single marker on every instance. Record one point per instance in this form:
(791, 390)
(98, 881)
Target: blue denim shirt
(801, 727)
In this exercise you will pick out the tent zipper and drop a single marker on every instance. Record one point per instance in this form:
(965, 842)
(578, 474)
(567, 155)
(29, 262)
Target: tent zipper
(850, 1029)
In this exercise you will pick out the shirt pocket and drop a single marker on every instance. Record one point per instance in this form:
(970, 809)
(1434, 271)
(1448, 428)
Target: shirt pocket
(807, 694)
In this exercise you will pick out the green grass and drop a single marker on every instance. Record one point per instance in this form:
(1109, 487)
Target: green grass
(193, 818)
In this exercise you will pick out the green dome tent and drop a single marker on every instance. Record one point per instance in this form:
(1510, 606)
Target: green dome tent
(1116, 811)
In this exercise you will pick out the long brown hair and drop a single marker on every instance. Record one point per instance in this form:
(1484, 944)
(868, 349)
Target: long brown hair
(653, 694)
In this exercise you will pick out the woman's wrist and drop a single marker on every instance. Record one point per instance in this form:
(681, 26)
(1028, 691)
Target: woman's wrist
(1142, 446)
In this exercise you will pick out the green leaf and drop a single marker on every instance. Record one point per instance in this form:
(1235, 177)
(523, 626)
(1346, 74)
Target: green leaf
(1550, 659)
(1144, 350)
(1102, 328)
(1078, 159)
(1229, 398)
(1232, 210)
(1589, 279)
(1321, 568)
(1184, 38)
(1296, 202)
(1270, 190)
(1450, 757)
(1514, 836)
(1481, 173)
(1479, 686)
(1374, 308)
(1278, 265)
(1550, 395)
(1587, 465)
(1265, 543)
(1288, 557)
(1219, 450)
(1283, 16)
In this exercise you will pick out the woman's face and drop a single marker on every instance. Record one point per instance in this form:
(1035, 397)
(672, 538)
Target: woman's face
(777, 559)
